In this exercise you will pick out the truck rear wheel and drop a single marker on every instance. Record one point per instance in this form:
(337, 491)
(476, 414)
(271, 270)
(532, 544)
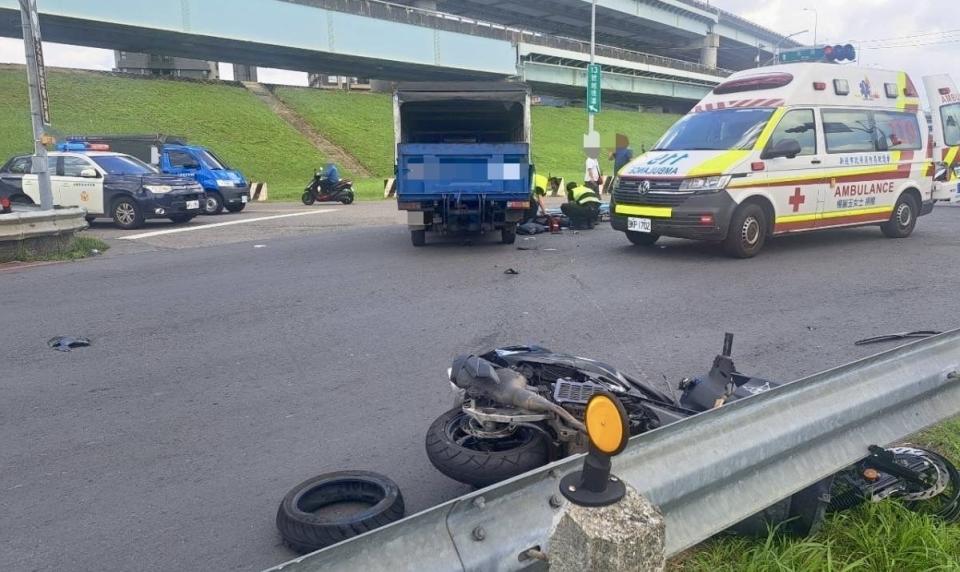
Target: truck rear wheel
(418, 237)
(508, 234)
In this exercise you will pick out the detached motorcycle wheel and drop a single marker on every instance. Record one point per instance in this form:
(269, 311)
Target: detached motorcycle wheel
(312, 515)
(482, 462)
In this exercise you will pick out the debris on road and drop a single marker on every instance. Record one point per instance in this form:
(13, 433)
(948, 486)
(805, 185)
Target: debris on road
(510, 271)
(898, 336)
(67, 343)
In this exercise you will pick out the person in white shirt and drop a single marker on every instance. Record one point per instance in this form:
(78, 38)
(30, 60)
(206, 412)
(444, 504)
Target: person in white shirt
(591, 174)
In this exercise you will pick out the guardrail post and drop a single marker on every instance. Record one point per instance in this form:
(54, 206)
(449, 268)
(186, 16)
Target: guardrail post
(628, 535)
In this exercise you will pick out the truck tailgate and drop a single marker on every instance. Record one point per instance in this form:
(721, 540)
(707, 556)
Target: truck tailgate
(427, 171)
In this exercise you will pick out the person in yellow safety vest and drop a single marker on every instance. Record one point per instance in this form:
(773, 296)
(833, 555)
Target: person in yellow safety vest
(540, 186)
(583, 206)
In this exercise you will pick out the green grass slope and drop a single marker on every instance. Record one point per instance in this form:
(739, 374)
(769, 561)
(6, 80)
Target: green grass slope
(227, 118)
(362, 123)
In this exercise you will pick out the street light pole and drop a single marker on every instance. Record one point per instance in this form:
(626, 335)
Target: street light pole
(36, 83)
(816, 23)
(593, 48)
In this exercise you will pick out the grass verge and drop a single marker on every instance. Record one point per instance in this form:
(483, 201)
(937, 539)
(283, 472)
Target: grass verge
(873, 537)
(79, 247)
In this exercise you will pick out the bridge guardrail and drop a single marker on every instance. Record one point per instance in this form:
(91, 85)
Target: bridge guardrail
(705, 473)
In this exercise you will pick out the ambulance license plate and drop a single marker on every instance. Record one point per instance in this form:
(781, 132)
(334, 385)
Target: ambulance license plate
(193, 205)
(639, 224)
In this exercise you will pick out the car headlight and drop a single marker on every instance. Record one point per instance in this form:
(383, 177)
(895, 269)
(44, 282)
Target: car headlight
(158, 189)
(705, 184)
(225, 183)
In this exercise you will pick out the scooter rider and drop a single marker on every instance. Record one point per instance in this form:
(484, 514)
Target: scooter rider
(583, 206)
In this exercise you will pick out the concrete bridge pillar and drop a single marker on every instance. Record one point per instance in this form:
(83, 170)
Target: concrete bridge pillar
(708, 54)
(244, 72)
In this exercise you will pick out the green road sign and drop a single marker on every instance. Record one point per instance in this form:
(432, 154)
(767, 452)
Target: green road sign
(593, 88)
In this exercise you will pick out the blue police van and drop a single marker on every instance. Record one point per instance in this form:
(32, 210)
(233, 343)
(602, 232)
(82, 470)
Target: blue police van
(224, 187)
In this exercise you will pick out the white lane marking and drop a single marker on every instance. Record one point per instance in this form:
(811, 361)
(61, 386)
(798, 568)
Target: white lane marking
(218, 224)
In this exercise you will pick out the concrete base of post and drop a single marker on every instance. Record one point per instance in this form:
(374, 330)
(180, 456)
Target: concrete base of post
(628, 535)
(29, 231)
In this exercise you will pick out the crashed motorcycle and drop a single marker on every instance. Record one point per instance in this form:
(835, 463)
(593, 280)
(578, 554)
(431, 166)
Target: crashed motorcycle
(521, 407)
(323, 190)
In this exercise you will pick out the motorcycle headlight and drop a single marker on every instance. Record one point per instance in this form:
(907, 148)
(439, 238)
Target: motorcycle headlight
(158, 189)
(705, 184)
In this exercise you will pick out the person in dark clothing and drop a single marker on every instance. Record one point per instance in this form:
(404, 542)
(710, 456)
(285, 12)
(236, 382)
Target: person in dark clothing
(582, 206)
(622, 155)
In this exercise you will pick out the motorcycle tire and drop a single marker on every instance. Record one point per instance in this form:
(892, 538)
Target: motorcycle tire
(482, 462)
(304, 529)
(307, 198)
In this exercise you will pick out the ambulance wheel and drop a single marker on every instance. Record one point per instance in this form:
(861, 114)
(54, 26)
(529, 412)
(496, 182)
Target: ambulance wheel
(903, 219)
(508, 234)
(418, 237)
(748, 232)
(642, 238)
(127, 214)
(212, 203)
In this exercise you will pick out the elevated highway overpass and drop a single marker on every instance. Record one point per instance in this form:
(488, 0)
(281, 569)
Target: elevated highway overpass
(365, 38)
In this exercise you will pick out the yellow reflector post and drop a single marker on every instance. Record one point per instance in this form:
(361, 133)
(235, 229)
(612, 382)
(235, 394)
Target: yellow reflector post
(606, 422)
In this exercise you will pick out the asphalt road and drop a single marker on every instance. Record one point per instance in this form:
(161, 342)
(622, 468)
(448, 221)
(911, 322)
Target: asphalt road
(222, 375)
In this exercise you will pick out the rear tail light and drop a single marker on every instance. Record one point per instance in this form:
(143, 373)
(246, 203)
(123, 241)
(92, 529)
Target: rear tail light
(706, 219)
(517, 204)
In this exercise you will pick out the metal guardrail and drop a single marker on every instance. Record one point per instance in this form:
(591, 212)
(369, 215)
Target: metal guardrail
(705, 473)
(30, 222)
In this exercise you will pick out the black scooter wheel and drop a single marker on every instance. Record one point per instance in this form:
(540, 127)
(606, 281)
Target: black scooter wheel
(482, 462)
(307, 198)
(347, 198)
(306, 519)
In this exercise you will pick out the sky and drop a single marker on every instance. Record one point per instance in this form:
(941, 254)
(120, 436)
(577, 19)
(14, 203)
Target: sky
(920, 37)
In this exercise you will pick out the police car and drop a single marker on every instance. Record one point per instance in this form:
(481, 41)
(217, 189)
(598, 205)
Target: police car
(106, 185)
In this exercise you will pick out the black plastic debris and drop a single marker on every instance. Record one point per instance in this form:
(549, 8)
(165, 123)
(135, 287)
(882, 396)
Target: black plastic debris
(67, 343)
(897, 336)
(510, 271)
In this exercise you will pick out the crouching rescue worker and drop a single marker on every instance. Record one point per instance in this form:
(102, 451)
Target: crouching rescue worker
(541, 185)
(583, 206)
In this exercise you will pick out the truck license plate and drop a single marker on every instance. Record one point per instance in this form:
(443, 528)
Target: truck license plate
(193, 204)
(639, 224)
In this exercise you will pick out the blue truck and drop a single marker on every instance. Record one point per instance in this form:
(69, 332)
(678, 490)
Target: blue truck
(224, 188)
(462, 157)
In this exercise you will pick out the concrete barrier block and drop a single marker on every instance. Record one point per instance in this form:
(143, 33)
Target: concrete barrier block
(628, 535)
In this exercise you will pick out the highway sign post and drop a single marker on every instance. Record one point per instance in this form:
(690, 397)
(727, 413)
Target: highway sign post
(593, 88)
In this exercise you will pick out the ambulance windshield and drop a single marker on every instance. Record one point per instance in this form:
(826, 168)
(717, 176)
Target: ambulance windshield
(718, 130)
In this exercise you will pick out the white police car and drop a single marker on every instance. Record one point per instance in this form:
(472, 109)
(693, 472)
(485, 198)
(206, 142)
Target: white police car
(107, 185)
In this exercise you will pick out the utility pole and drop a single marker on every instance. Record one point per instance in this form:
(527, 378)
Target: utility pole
(816, 23)
(593, 51)
(39, 110)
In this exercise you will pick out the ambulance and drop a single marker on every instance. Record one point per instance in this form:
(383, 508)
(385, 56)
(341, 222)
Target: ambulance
(945, 122)
(784, 149)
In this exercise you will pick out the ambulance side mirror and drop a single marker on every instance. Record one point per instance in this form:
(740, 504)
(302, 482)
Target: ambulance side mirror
(788, 148)
(942, 174)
